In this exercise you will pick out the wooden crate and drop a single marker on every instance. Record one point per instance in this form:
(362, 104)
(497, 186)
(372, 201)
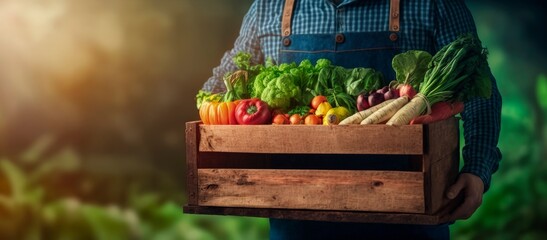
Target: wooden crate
(327, 173)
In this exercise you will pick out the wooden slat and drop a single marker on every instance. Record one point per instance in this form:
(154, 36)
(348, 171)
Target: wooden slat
(442, 137)
(192, 139)
(349, 139)
(318, 215)
(352, 195)
(441, 161)
(386, 191)
(443, 174)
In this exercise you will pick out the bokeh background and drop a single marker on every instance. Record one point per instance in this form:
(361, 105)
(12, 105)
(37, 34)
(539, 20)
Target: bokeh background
(94, 96)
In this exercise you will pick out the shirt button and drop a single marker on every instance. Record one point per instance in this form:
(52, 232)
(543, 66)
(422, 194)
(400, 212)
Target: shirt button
(340, 38)
(286, 42)
(393, 37)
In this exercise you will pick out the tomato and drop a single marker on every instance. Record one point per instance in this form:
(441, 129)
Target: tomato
(280, 119)
(318, 100)
(312, 120)
(295, 119)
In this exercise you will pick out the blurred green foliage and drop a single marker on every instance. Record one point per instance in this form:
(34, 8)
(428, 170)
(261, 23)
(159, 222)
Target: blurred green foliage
(30, 208)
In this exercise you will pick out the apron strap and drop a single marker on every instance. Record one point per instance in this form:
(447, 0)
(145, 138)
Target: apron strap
(286, 19)
(394, 15)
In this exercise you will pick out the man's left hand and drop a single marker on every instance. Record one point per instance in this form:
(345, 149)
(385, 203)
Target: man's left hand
(472, 188)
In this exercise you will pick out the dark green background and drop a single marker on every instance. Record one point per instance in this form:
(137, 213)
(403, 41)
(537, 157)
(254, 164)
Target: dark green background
(94, 96)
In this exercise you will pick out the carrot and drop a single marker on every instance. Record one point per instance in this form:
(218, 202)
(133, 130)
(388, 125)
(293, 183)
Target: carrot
(386, 112)
(439, 111)
(414, 108)
(359, 116)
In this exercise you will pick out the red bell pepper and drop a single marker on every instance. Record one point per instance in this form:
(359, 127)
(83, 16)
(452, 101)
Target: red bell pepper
(253, 111)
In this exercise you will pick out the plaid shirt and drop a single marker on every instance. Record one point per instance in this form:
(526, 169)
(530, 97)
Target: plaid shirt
(425, 24)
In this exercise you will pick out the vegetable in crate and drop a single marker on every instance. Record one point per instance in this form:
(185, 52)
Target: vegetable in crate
(391, 94)
(317, 100)
(330, 83)
(280, 91)
(220, 108)
(302, 110)
(335, 115)
(357, 117)
(458, 72)
(204, 96)
(213, 111)
(252, 112)
(280, 119)
(367, 100)
(439, 111)
(322, 109)
(222, 113)
(385, 113)
(362, 102)
(312, 120)
(341, 99)
(375, 98)
(247, 72)
(362, 80)
(410, 68)
(296, 119)
(298, 114)
(281, 86)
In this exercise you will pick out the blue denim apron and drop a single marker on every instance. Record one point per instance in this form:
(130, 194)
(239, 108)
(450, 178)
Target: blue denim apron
(350, 50)
(369, 49)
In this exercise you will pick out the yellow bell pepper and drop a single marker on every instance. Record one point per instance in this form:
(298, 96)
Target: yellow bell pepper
(322, 109)
(335, 115)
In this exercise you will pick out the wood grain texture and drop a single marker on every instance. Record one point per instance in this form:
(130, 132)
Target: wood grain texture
(349, 139)
(442, 138)
(230, 172)
(443, 175)
(385, 191)
(441, 161)
(192, 139)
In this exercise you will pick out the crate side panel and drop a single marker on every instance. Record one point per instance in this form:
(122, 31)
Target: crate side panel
(442, 137)
(443, 174)
(350, 139)
(385, 191)
(192, 140)
(441, 161)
